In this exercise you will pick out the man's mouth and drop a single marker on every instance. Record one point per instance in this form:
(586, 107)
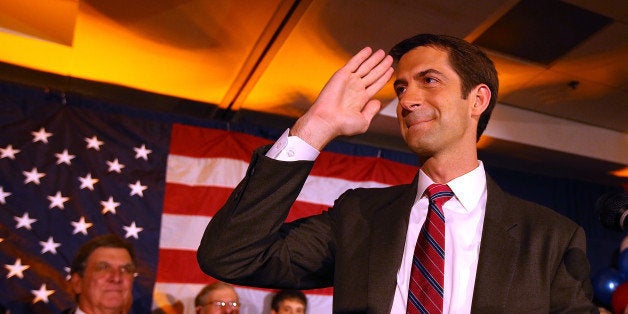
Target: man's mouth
(418, 118)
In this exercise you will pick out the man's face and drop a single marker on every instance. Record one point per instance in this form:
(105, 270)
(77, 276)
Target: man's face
(290, 306)
(107, 282)
(433, 116)
(220, 301)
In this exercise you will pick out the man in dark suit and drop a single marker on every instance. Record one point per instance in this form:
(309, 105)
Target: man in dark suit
(502, 254)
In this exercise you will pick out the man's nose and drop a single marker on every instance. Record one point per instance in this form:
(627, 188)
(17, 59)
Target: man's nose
(115, 274)
(411, 99)
(409, 105)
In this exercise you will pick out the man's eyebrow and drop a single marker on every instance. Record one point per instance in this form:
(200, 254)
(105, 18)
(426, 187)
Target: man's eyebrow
(399, 81)
(428, 71)
(419, 75)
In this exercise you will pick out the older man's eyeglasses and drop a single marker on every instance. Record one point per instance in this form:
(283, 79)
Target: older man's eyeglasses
(223, 304)
(106, 268)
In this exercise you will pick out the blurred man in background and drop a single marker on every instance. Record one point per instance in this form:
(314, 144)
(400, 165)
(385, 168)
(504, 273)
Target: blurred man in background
(102, 275)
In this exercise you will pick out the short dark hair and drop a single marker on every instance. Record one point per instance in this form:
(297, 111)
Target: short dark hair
(107, 240)
(472, 65)
(286, 294)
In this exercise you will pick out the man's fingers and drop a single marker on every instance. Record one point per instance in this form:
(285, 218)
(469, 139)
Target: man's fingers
(381, 81)
(381, 69)
(370, 63)
(354, 63)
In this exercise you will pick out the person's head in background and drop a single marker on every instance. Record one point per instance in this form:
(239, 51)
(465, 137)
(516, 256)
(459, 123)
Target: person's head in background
(288, 301)
(102, 275)
(218, 297)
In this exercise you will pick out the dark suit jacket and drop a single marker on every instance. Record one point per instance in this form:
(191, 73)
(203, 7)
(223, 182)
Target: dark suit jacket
(532, 260)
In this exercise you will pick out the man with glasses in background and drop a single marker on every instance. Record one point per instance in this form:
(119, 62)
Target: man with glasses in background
(217, 298)
(102, 274)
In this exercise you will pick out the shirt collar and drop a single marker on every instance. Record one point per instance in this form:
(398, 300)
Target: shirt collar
(468, 188)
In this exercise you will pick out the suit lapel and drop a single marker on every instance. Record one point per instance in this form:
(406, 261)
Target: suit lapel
(498, 254)
(498, 251)
(387, 238)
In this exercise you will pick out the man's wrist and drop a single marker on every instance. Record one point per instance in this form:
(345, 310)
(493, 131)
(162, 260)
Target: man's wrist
(292, 148)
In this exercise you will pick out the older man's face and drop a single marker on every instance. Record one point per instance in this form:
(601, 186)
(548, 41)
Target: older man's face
(107, 282)
(220, 301)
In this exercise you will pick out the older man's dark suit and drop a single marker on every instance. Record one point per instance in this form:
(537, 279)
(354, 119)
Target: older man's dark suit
(532, 260)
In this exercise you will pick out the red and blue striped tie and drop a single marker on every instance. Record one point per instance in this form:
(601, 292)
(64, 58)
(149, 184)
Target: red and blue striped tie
(427, 276)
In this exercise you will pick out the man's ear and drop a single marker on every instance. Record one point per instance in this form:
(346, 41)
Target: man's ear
(76, 281)
(481, 98)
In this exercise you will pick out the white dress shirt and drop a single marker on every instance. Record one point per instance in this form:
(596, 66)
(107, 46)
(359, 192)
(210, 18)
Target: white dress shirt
(464, 220)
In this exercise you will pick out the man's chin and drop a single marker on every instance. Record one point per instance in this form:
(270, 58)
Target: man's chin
(116, 302)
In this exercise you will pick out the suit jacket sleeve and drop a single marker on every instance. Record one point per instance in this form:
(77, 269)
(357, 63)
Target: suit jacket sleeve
(247, 242)
(571, 289)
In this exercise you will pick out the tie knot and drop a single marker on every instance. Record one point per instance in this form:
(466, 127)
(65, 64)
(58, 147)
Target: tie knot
(442, 192)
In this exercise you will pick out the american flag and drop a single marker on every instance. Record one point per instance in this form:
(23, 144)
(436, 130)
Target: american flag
(70, 172)
(67, 174)
(204, 165)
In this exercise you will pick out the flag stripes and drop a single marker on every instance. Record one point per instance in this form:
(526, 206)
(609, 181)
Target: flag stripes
(205, 165)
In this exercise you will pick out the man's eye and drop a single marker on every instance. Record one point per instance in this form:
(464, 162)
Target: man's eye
(128, 269)
(102, 267)
(430, 80)
(400, 90)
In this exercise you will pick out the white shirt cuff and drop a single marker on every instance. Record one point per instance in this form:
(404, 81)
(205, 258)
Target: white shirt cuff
(292, 148)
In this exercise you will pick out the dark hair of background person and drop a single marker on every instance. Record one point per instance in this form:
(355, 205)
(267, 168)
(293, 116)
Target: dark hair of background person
(285, 295)
(472, 65)
(107, 240)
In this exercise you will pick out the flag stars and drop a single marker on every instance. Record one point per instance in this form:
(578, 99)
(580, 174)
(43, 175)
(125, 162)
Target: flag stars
(16, 269)
(109, 206)
(57, 200)
(115, 166)
(42, 294)
(49, 246)
(3, 195)
(64, 158)
(132, 230)
(24, 221)
(94, 143)
(81, 226)
(8, 152)
(33, 176)
(142, 152)
(137, 188)
(87, 182)
(41, 136)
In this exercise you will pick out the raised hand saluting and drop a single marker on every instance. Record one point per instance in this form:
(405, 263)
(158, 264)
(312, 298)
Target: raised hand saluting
(345, 105)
